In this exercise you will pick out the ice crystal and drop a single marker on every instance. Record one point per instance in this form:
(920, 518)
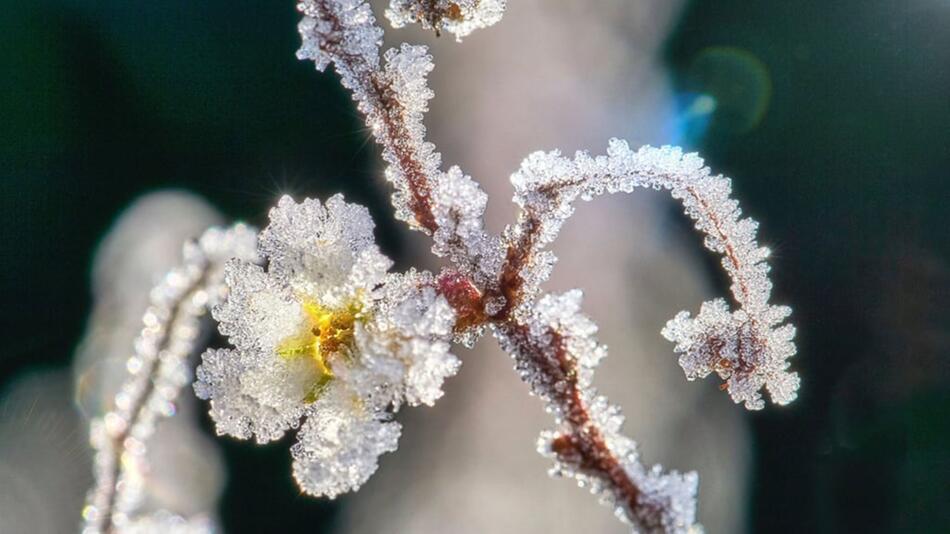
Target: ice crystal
(157, 372)
(459, 208)
(458, 17)
(748, 348)
(325, 333)
(334, 28)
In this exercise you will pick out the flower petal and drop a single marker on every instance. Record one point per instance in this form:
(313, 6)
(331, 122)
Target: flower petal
(340, 444)
(234, 411)
(312, 246)
(258, 313)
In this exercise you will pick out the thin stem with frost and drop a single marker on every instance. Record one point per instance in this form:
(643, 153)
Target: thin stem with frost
(748, 347)
(166, 341)
(157, 371)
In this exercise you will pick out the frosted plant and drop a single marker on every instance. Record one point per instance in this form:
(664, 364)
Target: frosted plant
(325, 334)
(327, 341)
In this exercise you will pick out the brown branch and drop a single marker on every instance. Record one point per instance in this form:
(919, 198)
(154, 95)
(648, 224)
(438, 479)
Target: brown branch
(521, 252)
(393, 116)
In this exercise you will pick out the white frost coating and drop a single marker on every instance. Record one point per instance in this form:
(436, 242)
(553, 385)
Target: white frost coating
(748, 347)
(459, 208)
(325, 333)
(458, 17)
(157, 371)
(338, 448)
(394, 97)
(331, 28)
(667, 501)
(747, 354)
(344, 33)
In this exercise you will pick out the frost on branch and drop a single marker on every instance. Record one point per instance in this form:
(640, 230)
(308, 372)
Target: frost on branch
(393, 97)
(340, 29)
(158, 370)
(327, 335)
(748, 347)
(458, 17)
(459, 208)
(495, 281)
(344, 33)
(555, 352)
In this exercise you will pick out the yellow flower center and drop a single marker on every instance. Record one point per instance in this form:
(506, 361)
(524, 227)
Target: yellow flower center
(326, 334)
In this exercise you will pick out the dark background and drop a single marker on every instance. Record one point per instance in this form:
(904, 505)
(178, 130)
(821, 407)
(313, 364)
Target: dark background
(842, 153)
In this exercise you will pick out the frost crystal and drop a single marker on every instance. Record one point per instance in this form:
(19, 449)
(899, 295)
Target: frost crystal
(334, 28)
(325, 333)
(748, 348)
(459, 208)
(458, 17)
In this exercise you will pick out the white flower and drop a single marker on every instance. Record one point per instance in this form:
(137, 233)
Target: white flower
(325, 333)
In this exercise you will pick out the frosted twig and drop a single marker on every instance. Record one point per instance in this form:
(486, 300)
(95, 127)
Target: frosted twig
(495, 280)
(157, 371)
(327, 340)
(555, 353)
(445, 204)
(748, 348)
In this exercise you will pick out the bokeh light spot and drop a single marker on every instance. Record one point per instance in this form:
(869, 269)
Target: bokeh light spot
(734, 85)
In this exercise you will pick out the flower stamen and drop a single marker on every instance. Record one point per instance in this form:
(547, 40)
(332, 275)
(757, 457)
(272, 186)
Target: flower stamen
(326, 334)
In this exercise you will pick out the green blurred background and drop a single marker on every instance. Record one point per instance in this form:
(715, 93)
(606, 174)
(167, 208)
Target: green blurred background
(834, 118)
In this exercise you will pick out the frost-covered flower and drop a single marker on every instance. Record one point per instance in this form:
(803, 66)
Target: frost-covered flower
(325, 333)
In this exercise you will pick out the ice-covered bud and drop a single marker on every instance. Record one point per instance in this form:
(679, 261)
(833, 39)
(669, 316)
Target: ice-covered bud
(458, 17)
(325, 333)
